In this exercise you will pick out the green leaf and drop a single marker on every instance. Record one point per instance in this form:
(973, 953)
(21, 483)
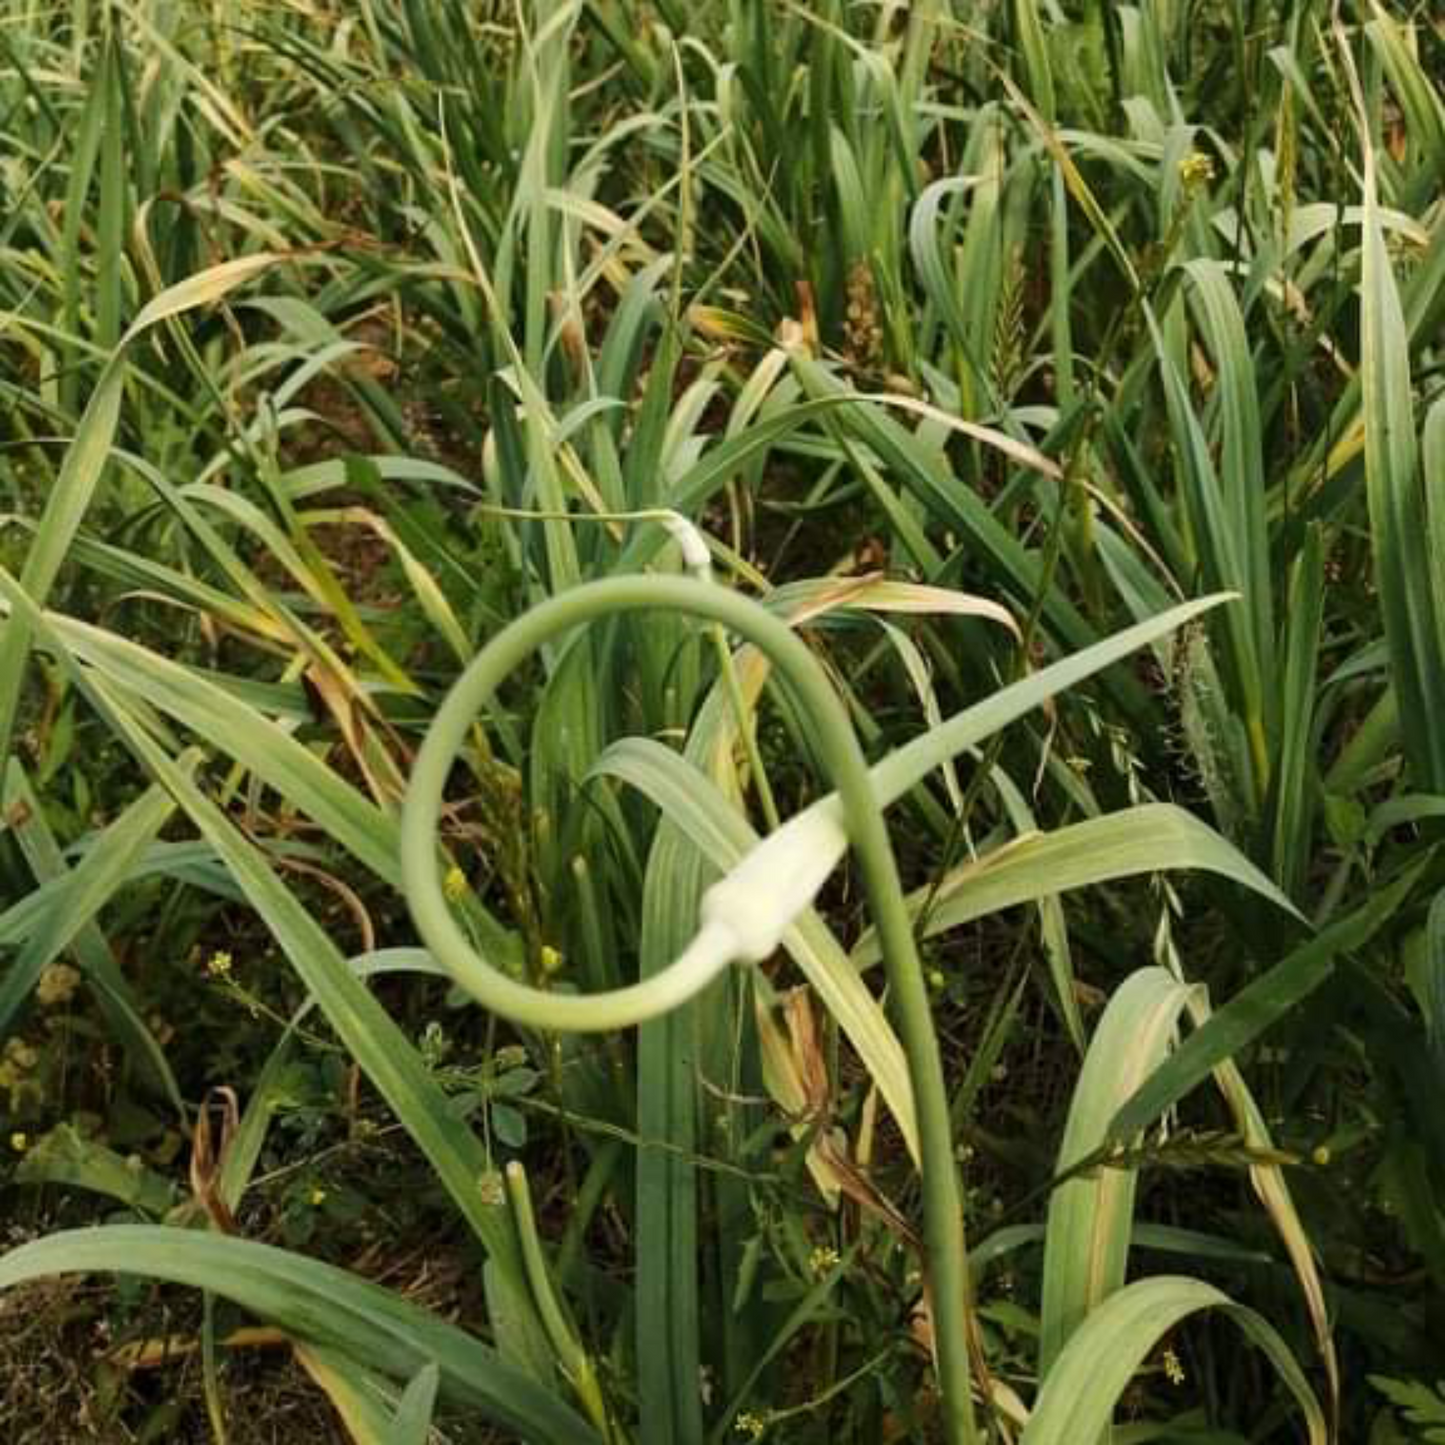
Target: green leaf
(1423, 1407)
(1086, 1382)
(117, 998)
(242, 732)
(1410, 600)
(65, 1156)
(84, 465)
(1149, 838)
(412, 1425)
(316, 1302)
(107, 865)
(1294, 785)
(1259, 1005)
(1091, 1218)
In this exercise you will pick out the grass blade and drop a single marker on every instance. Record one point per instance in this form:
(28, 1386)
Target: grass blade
(1085, 1385)
(106, 866)
(1091, 1219)
(1409, 593)
(1149, 838)
(317, 1302)
(1257, 1007)
(84, 465)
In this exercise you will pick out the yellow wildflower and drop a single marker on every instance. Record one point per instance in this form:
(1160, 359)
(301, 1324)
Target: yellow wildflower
(57, 985)
(1173, 1369)
(454, 885)
(1196, 169)
(20, 1141)
(823, 1258)
(218, 965)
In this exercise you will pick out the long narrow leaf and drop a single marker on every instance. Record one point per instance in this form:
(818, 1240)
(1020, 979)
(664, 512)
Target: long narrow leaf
(316, 1302)
(1084, 1387)
(1258, 1006)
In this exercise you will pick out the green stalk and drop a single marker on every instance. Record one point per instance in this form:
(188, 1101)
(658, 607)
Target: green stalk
(945, 1257)
(747, 729)
(570, 1354)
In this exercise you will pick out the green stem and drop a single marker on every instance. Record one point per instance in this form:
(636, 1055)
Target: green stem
(747, 730)
(945, 1258)
(574, 1359)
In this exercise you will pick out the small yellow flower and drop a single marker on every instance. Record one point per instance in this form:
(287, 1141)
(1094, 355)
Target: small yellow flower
(551, 960)
(20, 1141)
(218, 965)
(57, 985)
(1196, 169)
(822, 1259)
(751, 1424)
(1321, 1155)
(454, 885)
(317, 1196)
(1173, 1369)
